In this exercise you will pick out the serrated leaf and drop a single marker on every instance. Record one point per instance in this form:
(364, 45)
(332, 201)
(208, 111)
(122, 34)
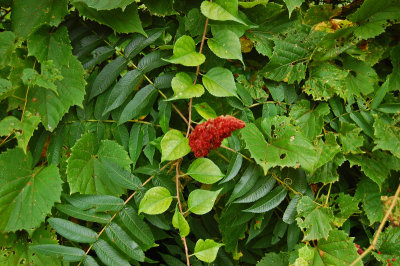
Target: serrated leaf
(292, 4)
(120, 175)
(101, 203)
(346, 206)
(135, 143)
(290, 213)
(387, 134)
(101, 5)
(88, 215)
(201, 201)
(156, 200)
(205, 171)
(225, 44)
(326, 151)
(183, 87)
(314, 218)
(350, 138)
(219, 82)
(388, 245)
(122, 240)
(137, 227)
(206, 250)
(72, 231)
(29, 15)
(185, 53)
(108, 255)
(174, 145)
(263, 186)
(124, 20)
(233, 168)
(179, 222)
(278, 259)
(139, 42)
(140, 104)
(48, 75)
(86, 172)
(164, 115)
(22, 205)
(152, 61)
(245, 183)
(369, 193)
(288, 147)
(221, 10)
(158, 8)
(310, 120)
(337, 249)
(70, 254)
(270, 201)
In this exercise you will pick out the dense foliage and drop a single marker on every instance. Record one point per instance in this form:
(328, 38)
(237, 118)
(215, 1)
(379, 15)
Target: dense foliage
(98, 100)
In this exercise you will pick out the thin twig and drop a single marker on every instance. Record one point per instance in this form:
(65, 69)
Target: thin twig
(379, 231)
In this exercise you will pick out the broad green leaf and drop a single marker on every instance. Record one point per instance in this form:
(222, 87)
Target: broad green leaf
(185, 53)
(192, 21)
(346, 206)
(376, 165)
(85, 215)
(327, 173)
(326, 151)
(5, 88)
(350, 138)
(108, 255)
(174, 145)
(219, 82)
(156, 200)
(310, 120)
(337, 249)
(206, 250)
(140, 105)
(221, 10)
(370, 195)
(205, 110)
(139, 229)
(120, 92)
(252, 3)
(373, 17)
(205, 171)
(388, 245)
(101, 203)
(8, 124)
(179, 222)
(122, 240)
(124, 20)
(28, 15)
(183, 87)
(225, 44)
(270, 201)
(288, 147)
(73, 231)
(292, 4)
(48, 75)
(263, 186)
(106, 5)
(160, 8)
(201, 201)
(120, 175)
(70, 254)
(7, 47)
(86, 172)
(22, 204)
(315, 219)
(318, 13)
(387, 134)
(271, 258)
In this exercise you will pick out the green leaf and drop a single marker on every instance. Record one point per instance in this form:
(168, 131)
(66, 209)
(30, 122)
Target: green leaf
(7, 47)
(107, 5)
(124, 20)
(28, 15)
(174, 145)
(22, 204)
(292, 4)
(350, 138)
(206, 250)
(310, 120)
(290, 213)
(162, 8)
(245, 183)
(326, 151)
(72, 231)
(263, 186)
(221, 10)
(120, 175)
(253, 3)
(183, 87)
(139, 42)
(219, 82)
(70, 254)
(288, 147)
(233, 168)
(274, 259)
(49, 74)
(337, 249)
(122, 240)
(205, 171)
(164, 115)
(5, 88)
(139, 229)
(108, 255)
(87, 173)
(140, 105)
(135, 143)
(101, 203)
(201, 201)
(387, 134)
(272, 200)
(88, 215)
(370, 195)
(388, 245)
(156, 200)
(185, 53)
(225, 44)
(205, 110)
(316, 220)
(179, 222)
(346, 206)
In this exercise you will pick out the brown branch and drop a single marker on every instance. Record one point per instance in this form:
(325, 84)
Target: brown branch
(379, 231)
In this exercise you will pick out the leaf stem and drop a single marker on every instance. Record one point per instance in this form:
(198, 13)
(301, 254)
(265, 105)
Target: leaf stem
(379, 231)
